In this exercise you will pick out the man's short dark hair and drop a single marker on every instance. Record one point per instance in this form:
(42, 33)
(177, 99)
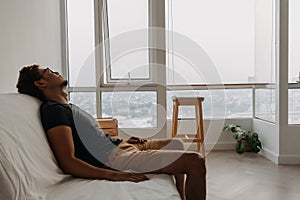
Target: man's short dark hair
(28, 75)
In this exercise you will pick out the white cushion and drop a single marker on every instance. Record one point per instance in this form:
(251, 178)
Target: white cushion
(29, 170)
(27, 162)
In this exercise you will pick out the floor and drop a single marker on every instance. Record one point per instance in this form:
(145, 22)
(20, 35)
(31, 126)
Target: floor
(231, 176)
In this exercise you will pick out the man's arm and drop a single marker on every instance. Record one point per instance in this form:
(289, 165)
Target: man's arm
(61, 141)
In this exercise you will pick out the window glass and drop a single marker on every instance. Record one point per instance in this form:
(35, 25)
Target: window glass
(132, 109)
(294, 41)
(225, 30)
(123, 18)
(81, 42)
(265, 104)
(294, 106)
(85, 100)
(238, 103)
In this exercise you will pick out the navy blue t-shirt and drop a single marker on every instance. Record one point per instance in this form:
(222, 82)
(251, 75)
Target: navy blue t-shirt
(91, 144)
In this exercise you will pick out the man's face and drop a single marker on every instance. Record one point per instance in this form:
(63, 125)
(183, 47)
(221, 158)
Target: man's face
(51, 78)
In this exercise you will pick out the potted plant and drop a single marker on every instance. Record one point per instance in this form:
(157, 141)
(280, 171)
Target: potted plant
(246, 140)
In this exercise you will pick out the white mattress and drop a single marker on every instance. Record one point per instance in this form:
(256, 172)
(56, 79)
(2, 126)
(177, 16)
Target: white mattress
(29, 170)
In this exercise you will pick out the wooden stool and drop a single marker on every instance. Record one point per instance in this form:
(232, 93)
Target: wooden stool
(199, 136)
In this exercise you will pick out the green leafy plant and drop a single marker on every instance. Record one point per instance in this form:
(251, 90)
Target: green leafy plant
(246, 140)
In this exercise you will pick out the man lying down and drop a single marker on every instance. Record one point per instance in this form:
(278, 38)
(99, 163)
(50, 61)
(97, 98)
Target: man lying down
(83, 150)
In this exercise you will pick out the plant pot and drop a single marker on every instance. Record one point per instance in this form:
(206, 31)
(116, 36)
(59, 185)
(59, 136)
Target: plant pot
(242, 146)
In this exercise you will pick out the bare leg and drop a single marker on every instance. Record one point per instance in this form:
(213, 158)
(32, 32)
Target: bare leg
(173, 162)
(172, 144)
(180, 182)
(195, 187)
(179, 178)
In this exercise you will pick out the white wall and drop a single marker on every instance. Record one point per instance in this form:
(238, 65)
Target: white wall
(289, 145)
(30, 33)
(269, 136)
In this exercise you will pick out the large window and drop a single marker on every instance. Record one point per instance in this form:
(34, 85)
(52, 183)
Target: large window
(127, 63)
(224, 29)
(223, 41)
(225, 36)
(117, 81)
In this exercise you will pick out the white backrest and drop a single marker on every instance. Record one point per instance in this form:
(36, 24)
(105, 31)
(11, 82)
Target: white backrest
(27, 164)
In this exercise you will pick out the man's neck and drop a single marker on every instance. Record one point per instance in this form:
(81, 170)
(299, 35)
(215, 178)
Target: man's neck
(61, 96)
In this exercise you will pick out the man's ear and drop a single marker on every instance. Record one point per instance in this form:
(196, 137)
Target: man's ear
(39, 84)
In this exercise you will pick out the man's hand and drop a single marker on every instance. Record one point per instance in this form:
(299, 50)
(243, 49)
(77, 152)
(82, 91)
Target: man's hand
(128, 176)
(136, 140)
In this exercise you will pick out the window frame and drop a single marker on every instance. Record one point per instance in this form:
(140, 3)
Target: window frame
(158, 77)
(107, 56)
(138, 85)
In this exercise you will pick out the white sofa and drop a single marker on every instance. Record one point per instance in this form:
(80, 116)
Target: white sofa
(29, 170)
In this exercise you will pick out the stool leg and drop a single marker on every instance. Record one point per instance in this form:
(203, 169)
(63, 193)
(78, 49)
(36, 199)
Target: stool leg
(175, 119)
(200, 131)
(197, 110)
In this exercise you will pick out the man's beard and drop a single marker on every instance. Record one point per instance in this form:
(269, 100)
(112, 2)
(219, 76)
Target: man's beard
(64, 84)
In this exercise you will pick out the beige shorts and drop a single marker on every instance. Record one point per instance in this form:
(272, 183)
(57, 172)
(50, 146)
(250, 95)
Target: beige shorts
(145, 158)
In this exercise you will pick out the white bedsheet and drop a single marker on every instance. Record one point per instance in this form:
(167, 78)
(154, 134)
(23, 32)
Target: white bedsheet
(29, 170)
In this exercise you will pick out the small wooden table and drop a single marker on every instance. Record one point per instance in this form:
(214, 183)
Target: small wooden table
(108, 125)
(199, 136)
